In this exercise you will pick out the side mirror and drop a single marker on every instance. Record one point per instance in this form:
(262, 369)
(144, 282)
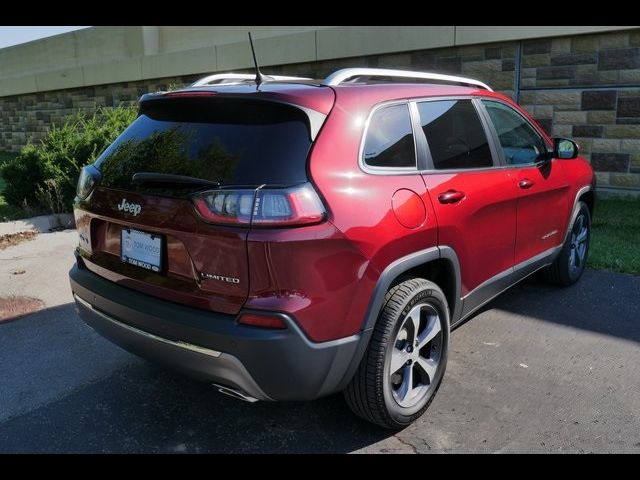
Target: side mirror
(565, 149)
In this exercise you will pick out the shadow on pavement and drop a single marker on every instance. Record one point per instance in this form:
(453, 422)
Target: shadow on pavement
(142, 408)
(603, 302)
(110, 401)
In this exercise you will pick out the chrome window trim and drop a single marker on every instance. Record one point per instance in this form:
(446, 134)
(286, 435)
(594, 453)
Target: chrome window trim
(387, 170)
(463, 170)
(419, 138)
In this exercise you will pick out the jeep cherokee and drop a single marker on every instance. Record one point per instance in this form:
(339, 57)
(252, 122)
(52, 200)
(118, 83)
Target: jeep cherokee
(294, 238)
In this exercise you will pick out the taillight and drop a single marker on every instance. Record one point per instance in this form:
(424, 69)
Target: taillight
(89, 177)
(267, 207)
(225, 206)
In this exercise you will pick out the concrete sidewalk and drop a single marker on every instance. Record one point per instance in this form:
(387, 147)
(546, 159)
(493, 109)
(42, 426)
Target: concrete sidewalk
(41, 223)
(46, 260)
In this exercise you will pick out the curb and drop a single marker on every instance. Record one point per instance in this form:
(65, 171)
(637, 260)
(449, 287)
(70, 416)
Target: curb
(40, 224)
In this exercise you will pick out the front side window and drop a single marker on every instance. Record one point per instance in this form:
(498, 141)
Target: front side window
(389, 142)
(521, 144)
(455, 135)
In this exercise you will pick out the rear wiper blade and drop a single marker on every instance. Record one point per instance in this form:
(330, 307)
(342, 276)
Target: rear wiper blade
(168, 178)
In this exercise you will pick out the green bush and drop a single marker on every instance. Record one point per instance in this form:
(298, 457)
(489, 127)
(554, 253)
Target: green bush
(21, 175)
(5, 156)
(44, 177)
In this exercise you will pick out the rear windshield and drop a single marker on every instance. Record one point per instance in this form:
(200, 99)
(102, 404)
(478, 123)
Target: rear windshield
(233, 142)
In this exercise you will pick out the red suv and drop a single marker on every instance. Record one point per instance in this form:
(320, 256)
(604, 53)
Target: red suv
(294, 238)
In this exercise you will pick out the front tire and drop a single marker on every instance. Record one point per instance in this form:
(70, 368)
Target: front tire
(570, 263)
(405, 361)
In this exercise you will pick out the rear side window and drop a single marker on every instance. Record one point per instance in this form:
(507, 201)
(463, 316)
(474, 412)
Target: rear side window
(455, 135)
(520, 142)
(233, 142)
(389, 142)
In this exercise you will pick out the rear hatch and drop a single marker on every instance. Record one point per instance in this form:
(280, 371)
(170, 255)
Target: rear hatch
(142, 225)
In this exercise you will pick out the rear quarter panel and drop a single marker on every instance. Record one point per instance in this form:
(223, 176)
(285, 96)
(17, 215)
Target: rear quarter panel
(360, 204)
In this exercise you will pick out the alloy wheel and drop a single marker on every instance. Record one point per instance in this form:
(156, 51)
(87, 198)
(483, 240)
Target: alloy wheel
(415, 355)
(579, 245)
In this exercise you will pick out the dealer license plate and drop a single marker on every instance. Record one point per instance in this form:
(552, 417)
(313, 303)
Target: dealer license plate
(141, 249)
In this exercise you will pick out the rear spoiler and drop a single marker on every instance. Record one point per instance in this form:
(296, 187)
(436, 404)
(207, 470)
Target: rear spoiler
(315, 119)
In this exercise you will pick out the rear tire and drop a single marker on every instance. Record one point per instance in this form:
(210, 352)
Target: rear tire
(405, 361)
(570, 263)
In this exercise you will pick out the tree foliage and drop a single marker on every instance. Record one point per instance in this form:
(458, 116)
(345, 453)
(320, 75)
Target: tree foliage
(44, 175)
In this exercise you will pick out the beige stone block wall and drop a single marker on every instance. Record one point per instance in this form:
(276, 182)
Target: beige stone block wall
(583, 85)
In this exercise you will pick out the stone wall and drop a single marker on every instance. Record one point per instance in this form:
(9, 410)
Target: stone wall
(586, 87)
(27, 118)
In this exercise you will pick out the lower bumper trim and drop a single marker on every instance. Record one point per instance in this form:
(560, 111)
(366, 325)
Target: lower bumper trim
(150, 336)
(260, 363)
(200, 362)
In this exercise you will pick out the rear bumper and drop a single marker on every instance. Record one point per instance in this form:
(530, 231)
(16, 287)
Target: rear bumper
(264, 364)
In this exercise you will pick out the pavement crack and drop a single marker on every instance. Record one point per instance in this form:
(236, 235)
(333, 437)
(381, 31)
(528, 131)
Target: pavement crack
(410, 445)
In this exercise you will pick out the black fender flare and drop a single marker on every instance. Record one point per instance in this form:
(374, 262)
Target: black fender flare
(386, 278)
(404, 264)
(575, 209)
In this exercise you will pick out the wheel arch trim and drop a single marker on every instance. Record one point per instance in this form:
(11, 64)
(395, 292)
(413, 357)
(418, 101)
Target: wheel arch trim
(386, 278)
(404, 264)
(574, 210)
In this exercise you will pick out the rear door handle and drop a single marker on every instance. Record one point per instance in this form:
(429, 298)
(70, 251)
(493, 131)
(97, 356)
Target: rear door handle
(451, 196)
(525, 183)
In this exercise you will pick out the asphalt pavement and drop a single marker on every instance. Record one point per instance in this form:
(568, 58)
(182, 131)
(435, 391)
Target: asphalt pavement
(540, 369)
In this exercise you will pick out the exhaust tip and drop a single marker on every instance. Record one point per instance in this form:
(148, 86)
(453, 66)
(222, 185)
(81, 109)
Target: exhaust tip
(237, 394)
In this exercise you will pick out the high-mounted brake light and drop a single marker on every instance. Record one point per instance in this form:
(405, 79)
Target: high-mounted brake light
(266, 207)
(197, 93)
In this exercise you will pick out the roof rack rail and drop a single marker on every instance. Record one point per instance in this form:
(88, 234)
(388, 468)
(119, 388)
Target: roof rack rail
(233, 78)
(342, 76)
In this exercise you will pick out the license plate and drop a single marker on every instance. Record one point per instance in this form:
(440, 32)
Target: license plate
(141, 249)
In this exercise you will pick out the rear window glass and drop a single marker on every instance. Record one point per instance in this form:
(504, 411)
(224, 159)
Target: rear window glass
(230, 142)
(389, 141)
